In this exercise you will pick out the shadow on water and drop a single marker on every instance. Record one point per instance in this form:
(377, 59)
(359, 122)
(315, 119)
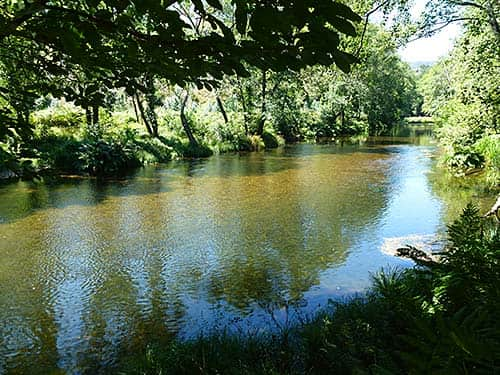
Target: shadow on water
(199, 245)
(21, 199)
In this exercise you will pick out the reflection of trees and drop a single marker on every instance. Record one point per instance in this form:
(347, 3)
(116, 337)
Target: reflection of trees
(457, 192)
(21, 199)
(131, 260)
(22, 299)
(296, 224)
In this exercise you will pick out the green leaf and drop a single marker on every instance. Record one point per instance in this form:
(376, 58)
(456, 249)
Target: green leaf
(345, 12)
(343, 26)
(215, 3)
(344, 60)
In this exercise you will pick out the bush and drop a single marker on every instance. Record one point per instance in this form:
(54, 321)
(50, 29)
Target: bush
(104, 157)
(62, 116)
(60, 153)
(153, 150)
(195, 151)
(9, 165)
(270, 140)
(489, 148)
(256, 143)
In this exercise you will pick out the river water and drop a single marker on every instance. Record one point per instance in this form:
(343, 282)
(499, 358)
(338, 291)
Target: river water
(240, 241)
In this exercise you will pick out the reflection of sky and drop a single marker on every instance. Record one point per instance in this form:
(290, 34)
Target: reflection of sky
(198, 251)
(412, 209)
(71, 287)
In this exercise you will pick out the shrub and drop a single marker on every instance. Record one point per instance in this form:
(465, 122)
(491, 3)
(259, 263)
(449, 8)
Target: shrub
(153, 150)
(195, 151)
(489, 148)
(59, 152)
(102, 157)
(256, 143)
(62, 116)
(270, 140)
(8, 162)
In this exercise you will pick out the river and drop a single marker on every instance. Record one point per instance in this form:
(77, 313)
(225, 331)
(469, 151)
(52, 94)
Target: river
(240, 241)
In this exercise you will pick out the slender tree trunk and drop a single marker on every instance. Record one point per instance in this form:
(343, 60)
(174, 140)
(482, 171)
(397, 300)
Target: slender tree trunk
(95, 115)
(262, 120)
(151, 101)
(493, 21)
(154, 121)
(221, 108)
(244, 106)
(136, 111)
(143, 114)
(185, 123)
(88, 117)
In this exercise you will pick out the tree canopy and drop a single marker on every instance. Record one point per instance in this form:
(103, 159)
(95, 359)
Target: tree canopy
(123, 38)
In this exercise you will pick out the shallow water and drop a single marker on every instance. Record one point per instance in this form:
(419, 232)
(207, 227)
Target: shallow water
(245, 241)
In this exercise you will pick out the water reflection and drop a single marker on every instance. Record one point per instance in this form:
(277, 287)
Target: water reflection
(89, 267)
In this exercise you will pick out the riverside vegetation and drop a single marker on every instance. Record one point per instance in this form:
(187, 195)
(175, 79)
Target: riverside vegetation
(69, 105)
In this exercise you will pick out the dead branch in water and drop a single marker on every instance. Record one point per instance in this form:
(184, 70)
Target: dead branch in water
(495, 210)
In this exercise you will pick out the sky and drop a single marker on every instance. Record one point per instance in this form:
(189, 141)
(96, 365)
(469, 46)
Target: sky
(429, 49)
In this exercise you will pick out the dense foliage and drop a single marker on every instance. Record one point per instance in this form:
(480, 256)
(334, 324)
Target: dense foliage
(461, 91)
(199, 77)
(438, 317)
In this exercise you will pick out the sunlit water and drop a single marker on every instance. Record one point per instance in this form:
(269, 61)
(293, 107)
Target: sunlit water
(239, 241)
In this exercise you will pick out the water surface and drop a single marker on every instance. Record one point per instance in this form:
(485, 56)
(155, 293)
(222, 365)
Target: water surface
(87, 266)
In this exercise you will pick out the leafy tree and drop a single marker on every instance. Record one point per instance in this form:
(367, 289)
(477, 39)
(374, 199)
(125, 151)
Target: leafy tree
(124, 43)
(461, 92)
(439, 14)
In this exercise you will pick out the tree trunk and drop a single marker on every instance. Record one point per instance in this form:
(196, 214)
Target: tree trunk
(154, 121)
(262, 120)
(244, 106)
(151, 100)
(185, 123)
(492, 19)
(95, 115)
(136, 111)
(143, 114)
(221, 108)
(88, 117)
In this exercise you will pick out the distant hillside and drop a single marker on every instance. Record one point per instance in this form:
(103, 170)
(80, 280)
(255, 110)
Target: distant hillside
(416, 65)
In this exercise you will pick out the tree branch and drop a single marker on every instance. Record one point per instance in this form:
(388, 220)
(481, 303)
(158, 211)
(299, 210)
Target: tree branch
(468, 3)
(443, 25)
(365, 26)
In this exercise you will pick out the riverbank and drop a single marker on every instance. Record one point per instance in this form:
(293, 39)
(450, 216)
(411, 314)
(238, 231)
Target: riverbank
(431, 318)
(114, 154)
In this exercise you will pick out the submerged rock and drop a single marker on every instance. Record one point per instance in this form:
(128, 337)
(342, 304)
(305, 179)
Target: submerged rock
(430, 246)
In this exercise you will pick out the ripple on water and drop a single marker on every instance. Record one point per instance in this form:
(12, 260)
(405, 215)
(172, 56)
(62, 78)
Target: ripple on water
(87, 267)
